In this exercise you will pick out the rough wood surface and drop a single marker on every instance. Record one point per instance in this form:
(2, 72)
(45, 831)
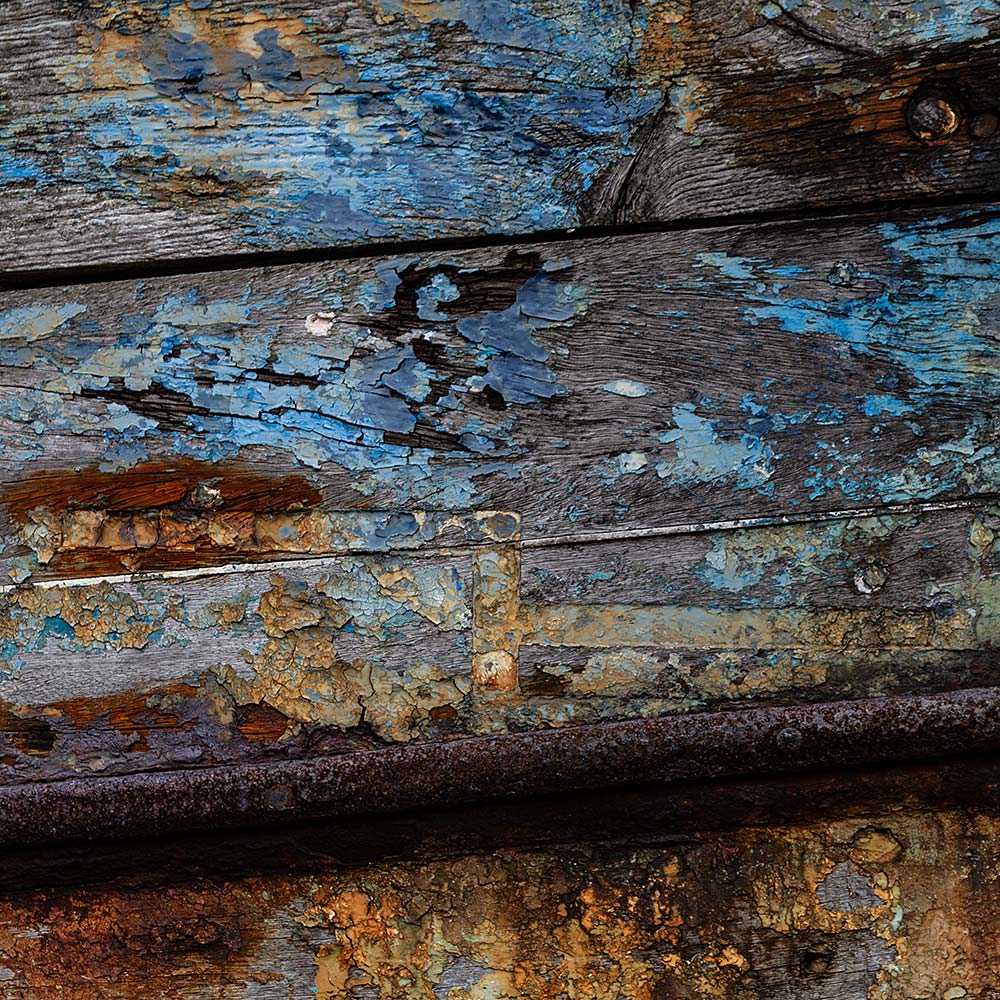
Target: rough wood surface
(313, 508)
(348, 653)
(629, 383)
(889, 903)
(180, 129)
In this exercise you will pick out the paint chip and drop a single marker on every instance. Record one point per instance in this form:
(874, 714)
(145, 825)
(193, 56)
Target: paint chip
(320, 324)
(625, 387)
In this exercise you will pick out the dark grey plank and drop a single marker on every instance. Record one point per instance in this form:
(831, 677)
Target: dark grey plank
(619, 384)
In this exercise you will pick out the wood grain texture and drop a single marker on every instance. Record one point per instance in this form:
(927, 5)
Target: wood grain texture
(350, 653)
(886, 902)
(175, 129)
(320, 507)
(632, 383)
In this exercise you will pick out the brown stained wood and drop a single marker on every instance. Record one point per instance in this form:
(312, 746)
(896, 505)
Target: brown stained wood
(190, 130)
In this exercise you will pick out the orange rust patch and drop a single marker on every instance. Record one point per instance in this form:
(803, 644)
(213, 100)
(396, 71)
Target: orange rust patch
(137, 943)
(188, 488)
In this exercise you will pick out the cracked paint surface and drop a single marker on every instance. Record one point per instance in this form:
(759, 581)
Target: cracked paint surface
(518, 381)
(305, 125)
(312, 127)
(425, 642)
(896, 905)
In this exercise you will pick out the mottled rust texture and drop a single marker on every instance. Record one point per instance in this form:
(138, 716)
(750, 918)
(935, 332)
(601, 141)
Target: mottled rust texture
(896, 905)
(660, 752)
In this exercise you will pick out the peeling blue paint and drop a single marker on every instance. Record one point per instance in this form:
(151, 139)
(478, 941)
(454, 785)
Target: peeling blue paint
(930, 318)
(626, 387)
(349, 400)
(705, 452)
(299, 136)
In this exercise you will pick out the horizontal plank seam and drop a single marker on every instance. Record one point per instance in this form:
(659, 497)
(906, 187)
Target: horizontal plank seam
(580, 538)
(817, 215)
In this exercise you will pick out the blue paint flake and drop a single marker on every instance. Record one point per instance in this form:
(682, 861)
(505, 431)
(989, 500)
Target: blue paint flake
(705, 452)
(326, 139)
(349, 400)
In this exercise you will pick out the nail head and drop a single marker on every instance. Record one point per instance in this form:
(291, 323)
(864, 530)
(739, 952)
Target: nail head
(932, 115)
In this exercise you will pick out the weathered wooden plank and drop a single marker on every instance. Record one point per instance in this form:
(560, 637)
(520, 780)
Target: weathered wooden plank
(886, 903)
(622, 384)
(196, 129)
(341, 653)
(428, 497)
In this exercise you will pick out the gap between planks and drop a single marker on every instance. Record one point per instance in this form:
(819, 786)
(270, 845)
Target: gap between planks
(819, 216)
(580, 538)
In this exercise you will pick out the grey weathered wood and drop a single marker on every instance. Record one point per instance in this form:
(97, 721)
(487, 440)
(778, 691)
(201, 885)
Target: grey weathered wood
(616, 384)
(206, 129)
(331, 652)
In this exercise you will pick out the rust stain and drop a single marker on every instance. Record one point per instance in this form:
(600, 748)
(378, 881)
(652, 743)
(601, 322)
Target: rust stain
(890, 905)
(29, 735)
(223, 486)
(156, 516)
(496, 589)
(261, 723)
(132, 713)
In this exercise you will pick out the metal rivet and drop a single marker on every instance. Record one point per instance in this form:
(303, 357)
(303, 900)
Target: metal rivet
(788, 739)
(280, 797)
(932, 115)
(871, 577)
(983, 125)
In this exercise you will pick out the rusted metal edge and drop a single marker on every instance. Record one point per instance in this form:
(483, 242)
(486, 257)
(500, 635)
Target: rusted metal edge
(759, 741)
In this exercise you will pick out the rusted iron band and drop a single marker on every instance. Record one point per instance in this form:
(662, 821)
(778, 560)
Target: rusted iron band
(755, 741)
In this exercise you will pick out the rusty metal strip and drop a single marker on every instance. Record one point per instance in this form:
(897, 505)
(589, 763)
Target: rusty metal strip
(760, 741)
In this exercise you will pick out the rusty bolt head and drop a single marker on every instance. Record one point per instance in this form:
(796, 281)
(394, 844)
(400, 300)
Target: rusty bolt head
(983, 125)
(871, 577)
(788, 739)
(932, 115)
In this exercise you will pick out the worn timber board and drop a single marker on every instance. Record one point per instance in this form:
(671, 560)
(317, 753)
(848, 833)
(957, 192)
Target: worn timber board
(595, 401)
(320, 507)
(350, 653)
(174, 129)
(623, 383)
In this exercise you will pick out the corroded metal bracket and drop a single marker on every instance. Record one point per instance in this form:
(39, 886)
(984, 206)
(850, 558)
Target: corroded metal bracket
(760, 741)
